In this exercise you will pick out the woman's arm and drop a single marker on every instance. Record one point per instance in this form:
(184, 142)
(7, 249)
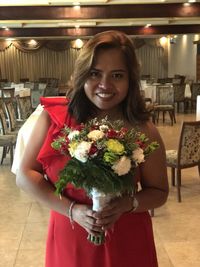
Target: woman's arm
(30, 178)
(153, 173)
(30, 174)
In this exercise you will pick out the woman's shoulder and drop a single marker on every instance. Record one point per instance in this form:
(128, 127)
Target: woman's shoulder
(150, 130)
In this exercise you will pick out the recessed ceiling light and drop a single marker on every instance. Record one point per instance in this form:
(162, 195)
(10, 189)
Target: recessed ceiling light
(76, 4)
(191, 1)
(10, 39)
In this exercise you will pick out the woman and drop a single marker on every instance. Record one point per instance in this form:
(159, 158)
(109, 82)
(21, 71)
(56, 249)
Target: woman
(106, 82)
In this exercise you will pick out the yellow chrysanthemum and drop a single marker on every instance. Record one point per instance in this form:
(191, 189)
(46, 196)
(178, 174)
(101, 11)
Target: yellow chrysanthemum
(115, 146)
(72, 147)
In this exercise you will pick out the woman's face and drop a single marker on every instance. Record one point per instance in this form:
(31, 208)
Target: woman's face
(108, 81)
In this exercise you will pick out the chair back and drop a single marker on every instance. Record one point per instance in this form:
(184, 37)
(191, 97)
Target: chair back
(189, 144)
(51, 91)
(7, 92)
(179, 92)
(3, 122)
(23, 80)
(25, 106)
(195, 91)
(29, 85)
(176, 80)
(165, 95)
(12, 118)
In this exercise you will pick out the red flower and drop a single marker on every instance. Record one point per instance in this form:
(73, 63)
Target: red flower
(64, 146)
(93, 150)
(111, 133)
(122, 132)
(140, 143)
(79, 127)
(95, 127)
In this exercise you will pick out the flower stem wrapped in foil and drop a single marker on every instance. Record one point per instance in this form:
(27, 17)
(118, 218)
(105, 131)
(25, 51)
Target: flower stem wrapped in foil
(100, 200)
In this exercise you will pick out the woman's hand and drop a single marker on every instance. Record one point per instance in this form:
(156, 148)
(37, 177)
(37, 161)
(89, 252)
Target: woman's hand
(84, 216)
(111, 213)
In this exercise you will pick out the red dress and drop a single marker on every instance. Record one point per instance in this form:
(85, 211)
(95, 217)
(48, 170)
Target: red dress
(130, 244)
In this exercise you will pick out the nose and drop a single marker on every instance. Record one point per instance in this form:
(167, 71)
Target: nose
(104, 83)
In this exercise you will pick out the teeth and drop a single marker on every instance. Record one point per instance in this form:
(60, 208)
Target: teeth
(104, 95)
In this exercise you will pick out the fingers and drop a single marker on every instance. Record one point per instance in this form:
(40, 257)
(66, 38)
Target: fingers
(82, 214)
(92, 227)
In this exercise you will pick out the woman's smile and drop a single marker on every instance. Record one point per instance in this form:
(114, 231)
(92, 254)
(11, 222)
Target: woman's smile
(108, 81)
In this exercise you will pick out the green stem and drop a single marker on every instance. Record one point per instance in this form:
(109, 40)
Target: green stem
(97, 239)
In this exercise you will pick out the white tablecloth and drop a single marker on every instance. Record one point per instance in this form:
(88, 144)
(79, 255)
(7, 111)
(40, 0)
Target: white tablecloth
(150, 90)
(187, 91)
(23, 137)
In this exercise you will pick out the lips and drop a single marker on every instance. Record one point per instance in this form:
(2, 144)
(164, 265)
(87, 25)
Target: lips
(105, 95)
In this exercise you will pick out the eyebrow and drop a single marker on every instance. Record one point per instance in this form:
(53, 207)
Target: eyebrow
(117, 70)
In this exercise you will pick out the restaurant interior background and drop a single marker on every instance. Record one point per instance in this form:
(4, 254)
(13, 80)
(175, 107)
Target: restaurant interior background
(40, 41)
(37, 41)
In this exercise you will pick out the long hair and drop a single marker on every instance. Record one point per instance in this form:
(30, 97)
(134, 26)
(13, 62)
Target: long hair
(133, 106)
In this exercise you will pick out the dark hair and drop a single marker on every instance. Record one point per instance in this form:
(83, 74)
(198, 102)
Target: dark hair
(133, 105)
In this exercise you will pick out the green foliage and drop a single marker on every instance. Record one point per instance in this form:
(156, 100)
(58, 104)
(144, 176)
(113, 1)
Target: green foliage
(93, 174)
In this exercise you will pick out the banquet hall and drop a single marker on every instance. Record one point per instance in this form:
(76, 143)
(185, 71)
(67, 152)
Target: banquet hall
(39, 43)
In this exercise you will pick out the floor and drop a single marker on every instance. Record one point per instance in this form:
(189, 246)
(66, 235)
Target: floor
(23, 222)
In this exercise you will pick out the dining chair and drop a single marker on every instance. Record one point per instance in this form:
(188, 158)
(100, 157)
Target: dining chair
(187, 155)
(7, 92)
(4, 80)
(195, 91)
(25, 106)
(10, 110)
(165, 102)
(23, 80)
(179, 96)
(51, 91)
(149, 105)
(7, 139)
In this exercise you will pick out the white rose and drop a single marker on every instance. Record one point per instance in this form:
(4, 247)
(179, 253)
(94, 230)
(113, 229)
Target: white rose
(82, 150)
(73, 134)
(138, 156)
(95, 135)
(122, 166)
(103, 128)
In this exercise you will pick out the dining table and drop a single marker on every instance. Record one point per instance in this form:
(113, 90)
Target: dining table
(150, 90)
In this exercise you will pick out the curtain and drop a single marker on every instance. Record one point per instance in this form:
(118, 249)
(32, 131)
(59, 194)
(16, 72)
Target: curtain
(56, 59)
(42, 62)
(153, 60)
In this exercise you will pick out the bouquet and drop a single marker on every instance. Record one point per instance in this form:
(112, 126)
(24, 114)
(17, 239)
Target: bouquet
(103, 158)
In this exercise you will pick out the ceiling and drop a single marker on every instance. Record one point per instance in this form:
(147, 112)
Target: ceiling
(64, 19)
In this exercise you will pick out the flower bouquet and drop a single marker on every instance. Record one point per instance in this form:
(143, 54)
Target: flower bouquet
(103, 158)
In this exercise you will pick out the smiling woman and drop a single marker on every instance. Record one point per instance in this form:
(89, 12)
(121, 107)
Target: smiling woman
(106, 81)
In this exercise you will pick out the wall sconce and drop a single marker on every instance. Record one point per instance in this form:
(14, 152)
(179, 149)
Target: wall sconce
(77, 44)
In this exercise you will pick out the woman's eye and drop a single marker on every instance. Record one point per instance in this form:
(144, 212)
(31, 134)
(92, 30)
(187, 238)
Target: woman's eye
(94, 74)
(117, 75)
